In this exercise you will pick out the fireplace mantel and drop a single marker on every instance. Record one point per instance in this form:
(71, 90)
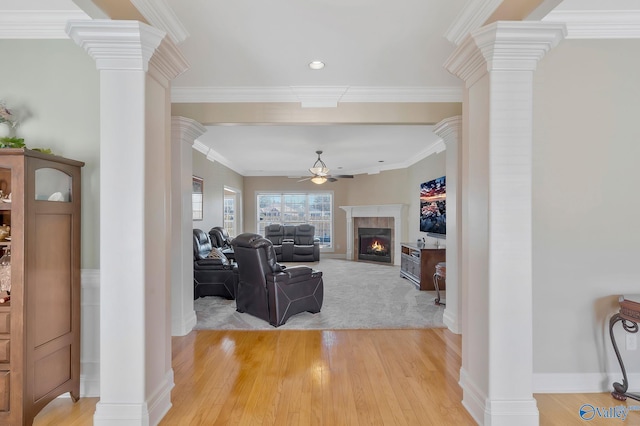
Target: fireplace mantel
(396, 211)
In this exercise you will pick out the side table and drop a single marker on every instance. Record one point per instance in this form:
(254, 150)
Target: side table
(629, 315)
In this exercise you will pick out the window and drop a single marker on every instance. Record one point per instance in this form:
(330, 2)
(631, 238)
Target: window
(314, 208)
(230, 211)
(197, 197)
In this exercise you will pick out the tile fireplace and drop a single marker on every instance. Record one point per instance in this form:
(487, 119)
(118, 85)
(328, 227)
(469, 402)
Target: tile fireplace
(374, 244)
(389, 216)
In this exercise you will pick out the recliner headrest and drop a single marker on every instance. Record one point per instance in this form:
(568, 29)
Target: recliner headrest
(248, 240)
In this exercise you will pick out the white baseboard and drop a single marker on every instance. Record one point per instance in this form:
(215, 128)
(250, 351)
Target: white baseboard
(90, 333)
(450, 319)
(89, 379)
(160, 402)
(185, 324)
(472, 398)
(513, 412)
(581, 383)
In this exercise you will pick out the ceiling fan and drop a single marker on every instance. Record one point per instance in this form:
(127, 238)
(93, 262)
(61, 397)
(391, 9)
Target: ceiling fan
(320, 173)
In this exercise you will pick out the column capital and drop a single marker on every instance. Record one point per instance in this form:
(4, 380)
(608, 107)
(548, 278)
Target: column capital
(449, 129)
(116, 45)
(504, 45)
(186, 130)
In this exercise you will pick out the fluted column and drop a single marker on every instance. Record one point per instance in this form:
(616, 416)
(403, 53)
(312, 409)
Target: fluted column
(136, 64)
(184, 132)
(449, 130)
(497, 64)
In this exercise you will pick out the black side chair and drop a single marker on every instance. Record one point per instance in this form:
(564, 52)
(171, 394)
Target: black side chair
(213, 275)
(220, 238)
(269, 291)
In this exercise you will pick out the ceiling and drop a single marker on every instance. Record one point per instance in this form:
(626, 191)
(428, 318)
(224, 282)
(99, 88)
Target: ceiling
(258, 52)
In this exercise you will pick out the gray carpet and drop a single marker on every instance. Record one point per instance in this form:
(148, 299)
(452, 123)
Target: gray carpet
(357, 295)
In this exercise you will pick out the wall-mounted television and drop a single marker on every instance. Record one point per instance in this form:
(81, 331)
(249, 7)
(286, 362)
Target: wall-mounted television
(433, 207)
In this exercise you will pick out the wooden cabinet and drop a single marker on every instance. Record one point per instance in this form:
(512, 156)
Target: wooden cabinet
(418, 264)
(40, 324)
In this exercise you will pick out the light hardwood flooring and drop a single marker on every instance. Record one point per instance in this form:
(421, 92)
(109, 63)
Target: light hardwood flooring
(342, 377)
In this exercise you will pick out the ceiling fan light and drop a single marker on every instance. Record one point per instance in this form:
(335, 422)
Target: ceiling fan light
(318, 180)
(319, 171)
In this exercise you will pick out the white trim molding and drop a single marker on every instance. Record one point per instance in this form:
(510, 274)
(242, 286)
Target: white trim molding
(323, 96)
(37, 24)
(582, 382)
(160, 15)
(472, 17)
(492, 48)
(598, 24)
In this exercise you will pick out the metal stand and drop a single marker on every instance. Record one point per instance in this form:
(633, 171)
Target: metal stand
(627, 316)
(441, 273)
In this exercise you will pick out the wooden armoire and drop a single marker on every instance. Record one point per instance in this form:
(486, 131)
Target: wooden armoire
(40, 324)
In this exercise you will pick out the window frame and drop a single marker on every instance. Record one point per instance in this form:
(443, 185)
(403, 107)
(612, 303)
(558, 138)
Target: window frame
(307, 194)
(197, 198)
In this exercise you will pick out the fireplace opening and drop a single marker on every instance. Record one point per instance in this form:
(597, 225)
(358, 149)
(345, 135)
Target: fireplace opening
(374, 244)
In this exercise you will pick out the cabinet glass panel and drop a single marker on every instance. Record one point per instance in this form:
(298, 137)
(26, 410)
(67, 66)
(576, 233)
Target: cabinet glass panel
(53, 185)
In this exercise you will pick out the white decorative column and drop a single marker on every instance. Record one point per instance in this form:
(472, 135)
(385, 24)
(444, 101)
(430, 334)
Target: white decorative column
(497, 63)
(136, 64)
(184, 131)
(449, 130)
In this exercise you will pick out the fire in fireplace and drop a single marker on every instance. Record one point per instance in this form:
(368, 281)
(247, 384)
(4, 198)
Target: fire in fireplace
(374, 244)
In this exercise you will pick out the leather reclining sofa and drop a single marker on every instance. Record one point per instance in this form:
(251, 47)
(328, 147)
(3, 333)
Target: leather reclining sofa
(294, 243)
(213, 274)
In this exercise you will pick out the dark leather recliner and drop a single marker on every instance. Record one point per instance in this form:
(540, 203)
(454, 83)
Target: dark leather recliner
(213, 274)
(220, 238)
(268, 290)
(275, 234)
(294, 243)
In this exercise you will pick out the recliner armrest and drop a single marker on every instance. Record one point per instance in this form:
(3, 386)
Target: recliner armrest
(211, 264)
(293, 275)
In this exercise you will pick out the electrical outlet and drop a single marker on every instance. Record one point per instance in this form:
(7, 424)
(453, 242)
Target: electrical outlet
(632, 342)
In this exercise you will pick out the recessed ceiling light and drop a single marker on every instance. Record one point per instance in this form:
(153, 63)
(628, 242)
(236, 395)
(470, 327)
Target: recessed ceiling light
(316, 65)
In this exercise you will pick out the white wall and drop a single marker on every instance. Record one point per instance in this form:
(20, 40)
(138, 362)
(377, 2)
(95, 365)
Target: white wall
(586, 231)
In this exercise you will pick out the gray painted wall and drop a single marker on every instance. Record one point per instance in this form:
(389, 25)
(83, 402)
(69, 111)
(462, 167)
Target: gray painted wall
(54, 86)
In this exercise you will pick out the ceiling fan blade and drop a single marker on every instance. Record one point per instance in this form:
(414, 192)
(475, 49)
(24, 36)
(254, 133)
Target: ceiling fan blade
(302, 180)
(331, 179)
(342, 176)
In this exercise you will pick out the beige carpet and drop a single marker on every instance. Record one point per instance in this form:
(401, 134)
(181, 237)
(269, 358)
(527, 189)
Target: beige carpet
(357, 295)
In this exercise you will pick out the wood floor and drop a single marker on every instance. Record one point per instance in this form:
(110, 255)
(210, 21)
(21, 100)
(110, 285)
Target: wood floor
(345, 377)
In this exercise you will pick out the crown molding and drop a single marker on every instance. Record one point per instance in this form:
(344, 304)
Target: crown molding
(434, 148)
(309, 95)
(517, 45)
(503, 45)
(117, 45)
(598, 24)
(37, 24)
(472, 17)
(319, 96)
(168, 61)
(200, 147)
(186, 130)
(403, 94)
(449, 129)
(161, 15)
